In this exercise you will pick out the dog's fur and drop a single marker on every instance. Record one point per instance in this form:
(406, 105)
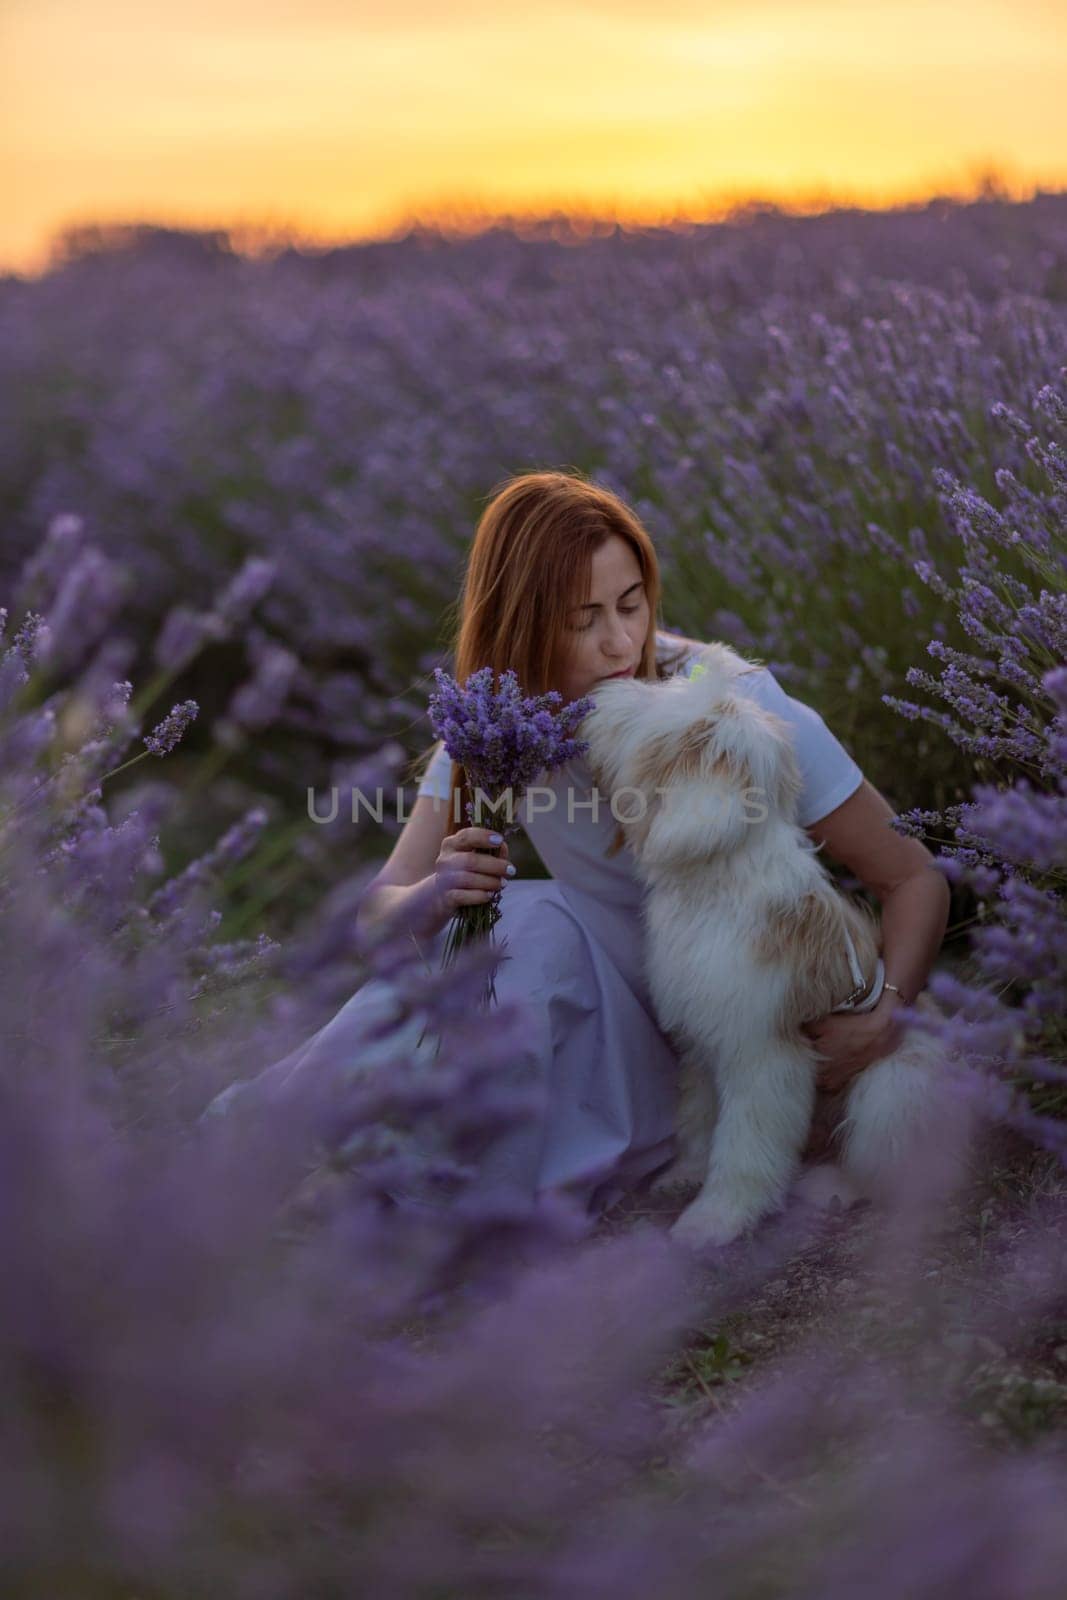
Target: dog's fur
(744, 943)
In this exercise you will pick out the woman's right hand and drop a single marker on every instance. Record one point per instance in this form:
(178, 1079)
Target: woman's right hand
(470, 869)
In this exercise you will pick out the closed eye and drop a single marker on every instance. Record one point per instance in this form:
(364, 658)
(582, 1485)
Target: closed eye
(627, 611)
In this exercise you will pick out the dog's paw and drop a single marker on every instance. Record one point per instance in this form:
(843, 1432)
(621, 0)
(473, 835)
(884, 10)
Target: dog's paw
(709, 1222)
(820, 1186)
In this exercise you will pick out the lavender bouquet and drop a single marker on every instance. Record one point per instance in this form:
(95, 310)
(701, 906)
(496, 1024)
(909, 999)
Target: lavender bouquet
(502, 740)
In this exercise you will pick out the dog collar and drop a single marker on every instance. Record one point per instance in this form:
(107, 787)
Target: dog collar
(855, 1002)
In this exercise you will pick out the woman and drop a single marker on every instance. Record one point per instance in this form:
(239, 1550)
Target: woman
(562, 584)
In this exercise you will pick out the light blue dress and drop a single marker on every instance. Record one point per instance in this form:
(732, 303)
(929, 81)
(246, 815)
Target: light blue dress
(576, 945)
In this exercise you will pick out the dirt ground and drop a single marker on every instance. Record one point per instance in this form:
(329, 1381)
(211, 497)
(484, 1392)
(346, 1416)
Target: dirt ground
(1006, 1375)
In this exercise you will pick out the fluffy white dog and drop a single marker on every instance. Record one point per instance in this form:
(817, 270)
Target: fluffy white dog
(747, 937)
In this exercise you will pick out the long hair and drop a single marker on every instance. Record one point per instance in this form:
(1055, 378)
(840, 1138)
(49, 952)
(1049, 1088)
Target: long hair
(529, 563)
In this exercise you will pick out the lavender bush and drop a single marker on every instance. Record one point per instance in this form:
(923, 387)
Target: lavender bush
(771, 394)
(1007, 707)
(292, 1352)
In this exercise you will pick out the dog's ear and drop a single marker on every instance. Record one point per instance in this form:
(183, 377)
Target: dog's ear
(658, 763)
(714, 778)
(697, 795)
(673, 757)
(626, 756)
(752, 742)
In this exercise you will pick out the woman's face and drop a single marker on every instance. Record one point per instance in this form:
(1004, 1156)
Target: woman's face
(607, 633)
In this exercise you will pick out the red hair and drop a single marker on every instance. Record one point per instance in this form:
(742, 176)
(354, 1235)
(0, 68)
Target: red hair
(529, 564)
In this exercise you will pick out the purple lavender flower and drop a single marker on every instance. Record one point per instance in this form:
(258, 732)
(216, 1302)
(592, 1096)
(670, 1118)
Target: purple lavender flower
(503, 740)
(258, 701)
(243, 593)
(165, 735)
(236, 843)
(1008, 843)
(181, 636)
(42, 575)
(87, 599)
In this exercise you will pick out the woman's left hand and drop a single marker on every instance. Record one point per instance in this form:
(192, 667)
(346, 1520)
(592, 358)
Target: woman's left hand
(849, 1041)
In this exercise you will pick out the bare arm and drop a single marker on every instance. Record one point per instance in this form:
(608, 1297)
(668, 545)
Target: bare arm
(900, 872)
(430, 872)
(914, 900)
(409, 865)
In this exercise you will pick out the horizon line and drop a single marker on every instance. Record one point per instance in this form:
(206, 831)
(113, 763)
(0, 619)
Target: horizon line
(458, 219)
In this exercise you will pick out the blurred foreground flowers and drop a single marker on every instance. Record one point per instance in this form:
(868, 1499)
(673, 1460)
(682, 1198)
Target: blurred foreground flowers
(231, 1362)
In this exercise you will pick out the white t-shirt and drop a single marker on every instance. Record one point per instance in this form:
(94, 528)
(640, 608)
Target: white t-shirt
(557, 812)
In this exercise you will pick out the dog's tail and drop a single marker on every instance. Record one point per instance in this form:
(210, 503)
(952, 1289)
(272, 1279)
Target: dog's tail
(908, 1131)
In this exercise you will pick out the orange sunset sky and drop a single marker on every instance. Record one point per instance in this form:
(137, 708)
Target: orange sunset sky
(339, 118)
